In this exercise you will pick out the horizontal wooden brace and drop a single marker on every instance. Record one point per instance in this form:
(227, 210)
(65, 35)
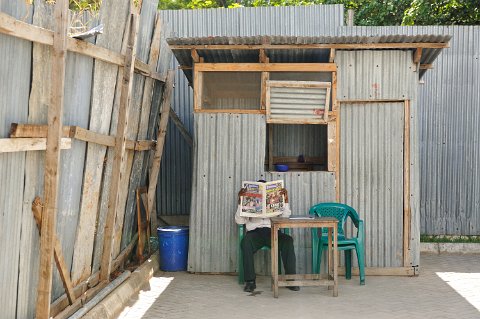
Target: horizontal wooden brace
(10, 145)
(381, 271)
(426, 66)
(40, 131)
(265, 67)
(19, 29)
(347, 46)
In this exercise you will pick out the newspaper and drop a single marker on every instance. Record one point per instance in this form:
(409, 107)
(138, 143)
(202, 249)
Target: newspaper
(262, 200)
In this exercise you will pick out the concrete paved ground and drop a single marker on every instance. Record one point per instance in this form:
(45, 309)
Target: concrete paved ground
(448, 287)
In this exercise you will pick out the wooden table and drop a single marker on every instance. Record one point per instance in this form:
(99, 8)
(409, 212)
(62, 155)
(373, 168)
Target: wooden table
(306, 279)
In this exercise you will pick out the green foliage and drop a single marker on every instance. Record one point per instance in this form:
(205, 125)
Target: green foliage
(85, 5)
(449, 239)
(442, 12)
(367, 12)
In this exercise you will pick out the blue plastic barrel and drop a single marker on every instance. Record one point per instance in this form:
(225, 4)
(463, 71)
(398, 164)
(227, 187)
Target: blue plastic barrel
(173, 247)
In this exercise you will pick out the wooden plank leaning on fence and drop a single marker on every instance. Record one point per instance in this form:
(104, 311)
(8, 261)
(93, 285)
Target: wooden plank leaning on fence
(52, 160)
(157, 157)
(137, 159)
(37, 210)
(119, 158)
(114, 15)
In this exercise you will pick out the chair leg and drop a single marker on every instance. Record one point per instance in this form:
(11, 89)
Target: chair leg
(318, 264)
(348, 264)
(314, 254)
(361, 263)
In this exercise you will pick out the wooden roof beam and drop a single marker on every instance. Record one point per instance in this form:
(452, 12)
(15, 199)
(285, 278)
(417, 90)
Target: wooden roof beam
(263, 58)
(331, 58)
(349, 46)
(417, 56)
(195, 56)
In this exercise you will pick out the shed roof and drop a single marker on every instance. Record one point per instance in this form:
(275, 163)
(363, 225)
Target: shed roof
(297, 49)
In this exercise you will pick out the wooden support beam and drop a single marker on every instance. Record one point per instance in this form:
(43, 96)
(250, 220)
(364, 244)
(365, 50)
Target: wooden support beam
(37, 210)
(332, 146)
(119, 160)
(185, 67)
(270, 147)
(162, 131)
(33, 130)
(426, 66)
(195, 56)
(25, 31)
(266, 67)
(406, 186)
(197, 89)
(9, 145)
(82, 300)
(262, 57)
(52, 160)
(25, 131)
(331, 58)
(337, 155)
(349, 46)
(183, 130)
(417, 56)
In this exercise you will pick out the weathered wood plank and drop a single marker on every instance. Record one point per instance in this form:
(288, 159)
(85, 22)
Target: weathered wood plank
(142, 106)
(120, 156)
(22, 30)
(113, 15)
(265, 67)
(332, 146)
(52, 160)
(38, 131)
(37, 210)
(8, 145)
(407, 216)
(162, 131)
(183, 130)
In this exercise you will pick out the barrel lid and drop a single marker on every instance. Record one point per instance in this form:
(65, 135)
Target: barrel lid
(173, 228)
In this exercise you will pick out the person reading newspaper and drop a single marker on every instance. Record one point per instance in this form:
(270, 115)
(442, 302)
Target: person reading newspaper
(258, 235)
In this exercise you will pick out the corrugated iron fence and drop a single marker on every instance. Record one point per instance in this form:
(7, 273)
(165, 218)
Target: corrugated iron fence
(91, 102)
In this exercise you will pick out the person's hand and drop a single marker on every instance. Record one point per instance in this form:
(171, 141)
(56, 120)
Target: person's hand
(241, 193)
(284, 192)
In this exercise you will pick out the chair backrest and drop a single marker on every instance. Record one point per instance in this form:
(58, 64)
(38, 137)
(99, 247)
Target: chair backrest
(337, 210)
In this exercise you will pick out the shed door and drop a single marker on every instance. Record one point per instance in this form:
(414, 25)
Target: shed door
(371, 176)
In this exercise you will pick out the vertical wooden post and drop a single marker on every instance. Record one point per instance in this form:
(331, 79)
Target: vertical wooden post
(406, 186)
(263, 58)
(52, 160)
(119, 158)
(332, 146)
(162, 131)
(197, 89)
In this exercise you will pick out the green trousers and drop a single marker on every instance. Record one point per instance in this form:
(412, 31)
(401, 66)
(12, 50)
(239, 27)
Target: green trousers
(259, 237)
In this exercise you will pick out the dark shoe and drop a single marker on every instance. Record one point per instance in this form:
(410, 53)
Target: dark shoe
(249, 286)
(294, 288)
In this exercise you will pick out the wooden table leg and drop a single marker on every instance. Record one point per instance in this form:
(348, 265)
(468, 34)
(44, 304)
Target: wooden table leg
(335, 262)
(330, 256)
(274, 256)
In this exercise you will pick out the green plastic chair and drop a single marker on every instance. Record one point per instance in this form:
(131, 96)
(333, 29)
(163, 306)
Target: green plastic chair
(319, 243)
(241, 234)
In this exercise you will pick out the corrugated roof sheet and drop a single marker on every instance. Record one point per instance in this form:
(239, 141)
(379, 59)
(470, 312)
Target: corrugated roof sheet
(236, 55)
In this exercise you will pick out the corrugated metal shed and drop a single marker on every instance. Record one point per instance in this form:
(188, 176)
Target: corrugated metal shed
(174, 191)
(448, 132)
